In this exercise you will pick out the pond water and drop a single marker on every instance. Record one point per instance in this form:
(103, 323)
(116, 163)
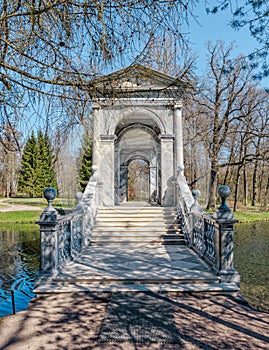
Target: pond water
(251, 259)
(19, 262)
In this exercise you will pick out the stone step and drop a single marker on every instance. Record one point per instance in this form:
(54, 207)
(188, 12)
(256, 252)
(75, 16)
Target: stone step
(214, 288)
(130, 208)
(135, 240)
(116, 219)
(136, 233)
(136, 214)
(135, 280)
(135, 227)
(154, 221)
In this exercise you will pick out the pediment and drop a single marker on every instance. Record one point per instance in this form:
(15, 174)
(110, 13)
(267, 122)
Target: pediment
(134, 79)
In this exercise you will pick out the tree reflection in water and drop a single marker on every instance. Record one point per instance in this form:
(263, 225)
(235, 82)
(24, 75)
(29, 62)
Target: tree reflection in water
(251, 247)
(19, 262)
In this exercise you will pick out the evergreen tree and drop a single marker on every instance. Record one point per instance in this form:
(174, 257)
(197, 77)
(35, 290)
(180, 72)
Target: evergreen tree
(46, 176)
(37, 170)
(27, 176)
(85, 171)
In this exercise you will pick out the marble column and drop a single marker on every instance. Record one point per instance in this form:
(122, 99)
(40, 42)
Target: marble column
(123, 183)
(167, 170)
(178, 132)
(95, 135)
(153, 192)
(107, 169)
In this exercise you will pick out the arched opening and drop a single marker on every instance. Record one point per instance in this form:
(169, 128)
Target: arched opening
(138, 181)
(137, 164)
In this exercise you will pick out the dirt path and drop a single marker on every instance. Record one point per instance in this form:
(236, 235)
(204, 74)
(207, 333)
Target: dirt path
(4, 207)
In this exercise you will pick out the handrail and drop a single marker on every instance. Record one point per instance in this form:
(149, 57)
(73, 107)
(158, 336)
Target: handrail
(211, 237)
(64, 237)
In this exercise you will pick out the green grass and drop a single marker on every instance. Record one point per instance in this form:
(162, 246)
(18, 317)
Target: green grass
(19, 227)
(41, 202)
(249, 214)
(20, 217)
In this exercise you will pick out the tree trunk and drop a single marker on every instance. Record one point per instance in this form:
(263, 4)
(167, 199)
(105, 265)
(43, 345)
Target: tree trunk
(213, 182)
(266, 195)
(245, 187)
(236, 188)
(254, 185)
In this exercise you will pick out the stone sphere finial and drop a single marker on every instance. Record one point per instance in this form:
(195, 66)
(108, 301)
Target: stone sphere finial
(195, 208)
(196, 194)
(94, 168)
(224, 191)
(78, 196)
(50, 194)
(224, 212)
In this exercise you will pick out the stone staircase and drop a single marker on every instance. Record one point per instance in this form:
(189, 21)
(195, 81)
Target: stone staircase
(134, 225)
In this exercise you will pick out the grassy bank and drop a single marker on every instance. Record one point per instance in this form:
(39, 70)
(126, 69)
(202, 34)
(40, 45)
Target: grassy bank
(20, 217)
(250, 214)
(41, 202)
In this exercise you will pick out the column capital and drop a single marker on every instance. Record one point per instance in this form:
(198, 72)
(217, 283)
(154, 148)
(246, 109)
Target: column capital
(166, 137)
(177, 105)
(95, 105)
(107, 138)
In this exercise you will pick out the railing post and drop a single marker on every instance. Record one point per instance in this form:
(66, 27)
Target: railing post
(195, 208)
(48, 222)
(225, 221)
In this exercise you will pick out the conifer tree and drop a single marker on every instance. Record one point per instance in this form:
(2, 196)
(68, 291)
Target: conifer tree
(85, 171)
(27, 176)
(46, 176)
(37, 170)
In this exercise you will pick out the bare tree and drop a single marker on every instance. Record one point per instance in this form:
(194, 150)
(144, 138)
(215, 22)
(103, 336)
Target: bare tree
(222, 94)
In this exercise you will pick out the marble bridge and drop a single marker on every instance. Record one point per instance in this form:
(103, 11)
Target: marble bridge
(137, 226)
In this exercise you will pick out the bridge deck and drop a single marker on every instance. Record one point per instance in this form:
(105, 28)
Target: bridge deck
(139, 267)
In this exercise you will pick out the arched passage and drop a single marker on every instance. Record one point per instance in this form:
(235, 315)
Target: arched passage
(138, 180)
(137, 164)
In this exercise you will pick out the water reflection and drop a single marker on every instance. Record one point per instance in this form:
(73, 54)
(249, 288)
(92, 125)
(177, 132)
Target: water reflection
(251, 255)
(19, 262)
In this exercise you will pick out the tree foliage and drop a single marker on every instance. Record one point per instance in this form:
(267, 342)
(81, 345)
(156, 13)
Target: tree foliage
(85, 169)
(51, 50)
(225, 118)
(65, 42)
(37, 169)
(254, 15)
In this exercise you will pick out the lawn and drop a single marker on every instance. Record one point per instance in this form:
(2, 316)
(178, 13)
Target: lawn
(248, 214)
(41, 202)
(20, 217)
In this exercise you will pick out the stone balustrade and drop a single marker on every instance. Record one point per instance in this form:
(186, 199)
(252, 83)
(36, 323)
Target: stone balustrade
(210, 236)
(64, 236)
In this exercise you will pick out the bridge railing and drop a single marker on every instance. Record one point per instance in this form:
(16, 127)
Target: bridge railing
(65, 236)
(210, 236)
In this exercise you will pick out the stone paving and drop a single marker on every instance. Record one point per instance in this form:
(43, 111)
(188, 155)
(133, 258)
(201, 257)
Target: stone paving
(132, 267)
(71, 321)
(138, 261)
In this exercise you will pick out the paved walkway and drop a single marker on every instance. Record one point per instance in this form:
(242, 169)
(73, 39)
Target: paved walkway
(75, 321)
(141, 267)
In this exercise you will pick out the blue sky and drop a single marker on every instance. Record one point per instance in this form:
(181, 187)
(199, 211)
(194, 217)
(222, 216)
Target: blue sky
(216, 27)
